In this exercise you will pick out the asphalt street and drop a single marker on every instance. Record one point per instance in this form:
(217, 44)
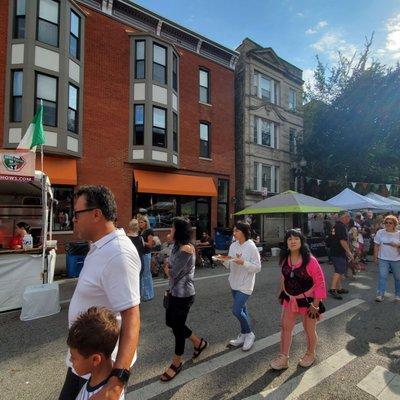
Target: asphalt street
(358, 352)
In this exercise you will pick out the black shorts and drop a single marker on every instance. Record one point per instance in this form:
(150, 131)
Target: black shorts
(339, 264)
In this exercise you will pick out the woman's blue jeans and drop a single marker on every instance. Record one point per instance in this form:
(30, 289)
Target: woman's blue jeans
(146, 279)
(384, 267)
(239, 310)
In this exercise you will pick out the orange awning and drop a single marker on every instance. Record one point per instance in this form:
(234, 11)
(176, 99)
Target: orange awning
(178, 184)
(61, 171)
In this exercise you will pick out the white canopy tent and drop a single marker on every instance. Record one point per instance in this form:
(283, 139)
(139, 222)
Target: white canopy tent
(392, 205)
(396, 199)
(350, 200)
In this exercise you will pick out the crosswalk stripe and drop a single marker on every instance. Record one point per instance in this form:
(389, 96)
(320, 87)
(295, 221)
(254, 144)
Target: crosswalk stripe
(160, 283)
(295, 387)
(382, 384)
(156, 388)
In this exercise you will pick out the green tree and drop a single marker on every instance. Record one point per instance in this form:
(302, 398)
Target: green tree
(352, 121)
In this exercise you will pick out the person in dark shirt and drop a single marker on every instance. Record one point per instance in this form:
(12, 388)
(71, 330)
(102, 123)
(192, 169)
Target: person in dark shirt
(207, 247)
(340, 252)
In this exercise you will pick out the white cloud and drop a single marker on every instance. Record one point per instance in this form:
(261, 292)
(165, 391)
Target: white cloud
(393, 36)
(300, 14)
(316, 28)
(308, 77)
(322, 24)
(331, 43)
(390, 54)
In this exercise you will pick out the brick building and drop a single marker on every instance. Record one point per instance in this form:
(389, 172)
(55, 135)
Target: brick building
(131, 100)
(268, 125)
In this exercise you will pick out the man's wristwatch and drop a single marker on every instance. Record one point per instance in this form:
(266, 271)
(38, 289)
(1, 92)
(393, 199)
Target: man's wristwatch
(122, 374)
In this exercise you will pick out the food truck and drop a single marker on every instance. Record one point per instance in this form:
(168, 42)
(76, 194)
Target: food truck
(25, 196)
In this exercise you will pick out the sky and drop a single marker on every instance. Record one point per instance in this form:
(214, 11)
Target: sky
(297, 30)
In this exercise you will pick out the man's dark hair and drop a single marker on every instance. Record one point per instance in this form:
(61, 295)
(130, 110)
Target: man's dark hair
(101, 197)
(245, 228)
(94, 331)
(24, 225)
(183, 231)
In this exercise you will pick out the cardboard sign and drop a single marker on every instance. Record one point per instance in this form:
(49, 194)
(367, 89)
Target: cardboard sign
(17, 165)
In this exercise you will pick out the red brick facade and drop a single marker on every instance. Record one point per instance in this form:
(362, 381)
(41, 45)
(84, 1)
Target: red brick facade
(106, 113)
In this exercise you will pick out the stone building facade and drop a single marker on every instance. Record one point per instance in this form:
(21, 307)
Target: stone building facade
(269, 125)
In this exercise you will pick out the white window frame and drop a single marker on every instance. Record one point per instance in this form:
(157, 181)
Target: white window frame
(257, 78)
(274, 132)
(293, 131)
(292, 101)
(258, 167)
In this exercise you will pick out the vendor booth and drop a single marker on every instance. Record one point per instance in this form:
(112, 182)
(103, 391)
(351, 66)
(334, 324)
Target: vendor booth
(291, 202)
(24, 196)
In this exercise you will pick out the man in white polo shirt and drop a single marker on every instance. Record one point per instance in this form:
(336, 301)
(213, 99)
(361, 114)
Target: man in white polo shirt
(110, 279)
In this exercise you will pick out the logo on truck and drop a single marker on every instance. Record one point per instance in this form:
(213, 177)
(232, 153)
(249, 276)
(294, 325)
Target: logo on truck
(13, 163)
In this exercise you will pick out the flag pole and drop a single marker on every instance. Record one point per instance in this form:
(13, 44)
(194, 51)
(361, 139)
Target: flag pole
(41, 146)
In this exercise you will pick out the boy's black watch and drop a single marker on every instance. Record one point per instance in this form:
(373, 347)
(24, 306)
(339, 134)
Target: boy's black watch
(122, 374)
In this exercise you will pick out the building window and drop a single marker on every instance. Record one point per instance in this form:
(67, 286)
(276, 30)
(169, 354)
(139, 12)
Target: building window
(140, 56)
(175, 72)
(159, 64)
(19, 19)
(138, 134)
(266, 176)
(46, 90)
(63, 208)
(204, 140)
(265, 133)
(292, 100)
(16, 98)
(47, 28)
(73, 104)
(265, 88)
(74, 35)
(175, 132)
(292, 141)
(204, 82)
(159, 127)
(223, 203)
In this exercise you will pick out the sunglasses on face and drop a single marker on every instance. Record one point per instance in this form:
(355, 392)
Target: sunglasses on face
(388, 223)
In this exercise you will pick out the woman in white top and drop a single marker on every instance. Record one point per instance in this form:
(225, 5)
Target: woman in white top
(387, 253)
(244, 262)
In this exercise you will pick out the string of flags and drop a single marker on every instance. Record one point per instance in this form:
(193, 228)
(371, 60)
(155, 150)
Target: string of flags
(364, 185)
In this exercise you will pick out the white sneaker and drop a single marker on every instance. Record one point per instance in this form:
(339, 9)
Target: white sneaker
(397, 299)
(248, 341)
(379, 298)
(238, 341)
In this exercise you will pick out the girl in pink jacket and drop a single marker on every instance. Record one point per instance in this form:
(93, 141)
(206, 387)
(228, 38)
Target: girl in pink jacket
(302, 289)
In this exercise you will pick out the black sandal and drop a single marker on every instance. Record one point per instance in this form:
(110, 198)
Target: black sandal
(198, 350)
(166, 377)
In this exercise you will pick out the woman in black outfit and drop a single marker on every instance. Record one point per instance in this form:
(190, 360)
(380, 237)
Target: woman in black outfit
(181, 285)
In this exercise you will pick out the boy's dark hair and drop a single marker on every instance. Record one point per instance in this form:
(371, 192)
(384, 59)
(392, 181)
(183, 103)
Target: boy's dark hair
(183, 231)
(94, 331)
(101, 197)
(245, 228)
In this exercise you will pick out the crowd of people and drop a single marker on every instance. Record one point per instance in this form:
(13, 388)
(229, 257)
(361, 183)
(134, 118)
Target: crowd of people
(116, 277)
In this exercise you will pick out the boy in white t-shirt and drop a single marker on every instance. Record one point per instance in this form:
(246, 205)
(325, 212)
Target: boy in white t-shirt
(91, 339)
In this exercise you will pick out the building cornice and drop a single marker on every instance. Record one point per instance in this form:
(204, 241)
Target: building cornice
(140, 18)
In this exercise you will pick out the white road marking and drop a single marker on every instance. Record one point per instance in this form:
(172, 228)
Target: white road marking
(295, 387)
(156, 388)
(382, 384)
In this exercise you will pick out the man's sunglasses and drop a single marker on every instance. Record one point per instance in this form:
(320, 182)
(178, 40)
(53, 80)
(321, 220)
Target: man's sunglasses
(77, 212)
